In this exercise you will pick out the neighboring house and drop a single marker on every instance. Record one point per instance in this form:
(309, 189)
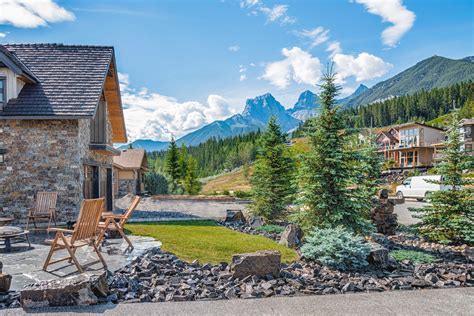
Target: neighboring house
(410, 145)
(60, 112)
(467, 130)
(129, 170)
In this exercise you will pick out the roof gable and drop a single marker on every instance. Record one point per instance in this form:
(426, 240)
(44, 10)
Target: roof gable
(72, 79)
(131, 159)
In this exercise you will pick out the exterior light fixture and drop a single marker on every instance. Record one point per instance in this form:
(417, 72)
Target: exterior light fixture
(3, 153)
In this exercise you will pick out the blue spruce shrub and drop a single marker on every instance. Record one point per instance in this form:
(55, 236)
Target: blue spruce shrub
(337, 248)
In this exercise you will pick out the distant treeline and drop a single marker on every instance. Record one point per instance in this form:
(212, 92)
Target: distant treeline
(215, 155)
(422, 106)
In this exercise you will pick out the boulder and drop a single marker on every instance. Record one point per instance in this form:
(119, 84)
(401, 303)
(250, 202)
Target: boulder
(260, 263)
(378, 255)
(235, 216)
(468, 253)
(255, 221)
(83, 289)
(291, 236)
(5, 282)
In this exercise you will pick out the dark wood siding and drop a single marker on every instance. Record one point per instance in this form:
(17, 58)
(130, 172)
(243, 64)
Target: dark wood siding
(99, 125)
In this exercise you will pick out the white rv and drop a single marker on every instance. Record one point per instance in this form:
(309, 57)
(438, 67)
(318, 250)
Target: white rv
(420, 187)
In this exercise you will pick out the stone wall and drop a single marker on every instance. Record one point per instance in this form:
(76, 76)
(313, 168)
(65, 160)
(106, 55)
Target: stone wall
(42, 155)
(127, 186)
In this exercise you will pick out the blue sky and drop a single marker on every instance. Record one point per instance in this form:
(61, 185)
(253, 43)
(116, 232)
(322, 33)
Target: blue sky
(187, 63)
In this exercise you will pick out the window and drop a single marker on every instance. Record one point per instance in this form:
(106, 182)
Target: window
(3, 92)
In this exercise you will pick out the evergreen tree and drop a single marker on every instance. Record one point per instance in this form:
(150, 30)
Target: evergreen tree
(450, 215)
(155, 183)
(191, 182)
(183, 162)
(326, 179)
(171, 161)
(272, 186)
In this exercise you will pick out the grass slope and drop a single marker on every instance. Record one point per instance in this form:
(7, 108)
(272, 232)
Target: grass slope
(233, 181)
(206, 241)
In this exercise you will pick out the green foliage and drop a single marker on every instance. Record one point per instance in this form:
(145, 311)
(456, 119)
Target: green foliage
(336, 247)
(242, 194)
(326, 172)
(423, 106)
(191, 182)
(155, 183)
(450, 215)
(412, 255)
(216, 155)
(171, 161)
(272, 188)
(274, 229)
(183, 162)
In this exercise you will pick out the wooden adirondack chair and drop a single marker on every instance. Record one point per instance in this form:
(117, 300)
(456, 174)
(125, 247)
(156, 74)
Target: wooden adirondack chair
(45, 208)
(116, 222)
(84, 234)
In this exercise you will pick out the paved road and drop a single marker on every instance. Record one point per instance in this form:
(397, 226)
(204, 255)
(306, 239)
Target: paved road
(404, 215)
(421, 302)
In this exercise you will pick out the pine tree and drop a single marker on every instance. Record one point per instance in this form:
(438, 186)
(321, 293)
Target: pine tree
(171, 161)
(450, 215)
(326, 180)
(183, 162)
(191, 182)
(272, 186)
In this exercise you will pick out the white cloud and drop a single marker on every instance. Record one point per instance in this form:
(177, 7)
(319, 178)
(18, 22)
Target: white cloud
(32, 13)
(392, 11)
(3, 34)
(234, 48)
(363, 67)
(298, 66)
(277, 13)
(334, 48)
(243, 73)
(150, 115)
(249, 3)
(315, 36)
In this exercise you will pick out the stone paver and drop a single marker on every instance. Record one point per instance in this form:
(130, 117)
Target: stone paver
(422, 302)
(25, 265)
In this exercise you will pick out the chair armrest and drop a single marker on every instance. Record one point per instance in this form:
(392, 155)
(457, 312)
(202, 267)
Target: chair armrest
(55, 229)
(113, 216)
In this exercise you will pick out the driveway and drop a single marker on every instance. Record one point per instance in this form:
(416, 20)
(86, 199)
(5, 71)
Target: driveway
(418, 302)
(404, 215)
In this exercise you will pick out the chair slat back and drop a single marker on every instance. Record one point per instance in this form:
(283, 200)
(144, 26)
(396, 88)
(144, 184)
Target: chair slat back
(88, 220)
(130, 210)
(45, 201)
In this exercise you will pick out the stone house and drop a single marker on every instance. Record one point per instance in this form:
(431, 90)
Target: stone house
(129, 171)
(60, 113)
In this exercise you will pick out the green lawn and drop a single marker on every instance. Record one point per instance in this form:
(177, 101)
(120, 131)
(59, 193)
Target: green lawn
(206, 241)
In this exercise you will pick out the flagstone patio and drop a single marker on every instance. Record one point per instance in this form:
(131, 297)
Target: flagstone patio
(25, 264)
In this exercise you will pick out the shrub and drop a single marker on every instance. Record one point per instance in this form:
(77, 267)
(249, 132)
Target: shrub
(412, 255)
(336, 247)
(155, 183)
(277, 229)
(242, 194)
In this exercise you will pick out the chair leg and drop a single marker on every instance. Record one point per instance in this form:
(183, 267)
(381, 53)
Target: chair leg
(120, 230)
(72, 254)
(99, 254)
(27, 222)
(51, 251)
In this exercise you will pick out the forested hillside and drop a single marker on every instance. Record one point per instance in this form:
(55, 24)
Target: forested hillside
(423, 106)
(215, 155)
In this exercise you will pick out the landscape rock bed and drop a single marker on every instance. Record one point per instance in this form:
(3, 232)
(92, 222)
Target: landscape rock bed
(244, 228)
(158, 276)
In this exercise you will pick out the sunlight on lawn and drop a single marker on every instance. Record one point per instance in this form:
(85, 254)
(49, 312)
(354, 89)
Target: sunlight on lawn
(206, 241)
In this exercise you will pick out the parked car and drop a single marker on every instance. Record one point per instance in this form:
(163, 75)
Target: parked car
(419, 187)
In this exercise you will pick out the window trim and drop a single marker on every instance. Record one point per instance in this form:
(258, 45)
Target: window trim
(4, 91)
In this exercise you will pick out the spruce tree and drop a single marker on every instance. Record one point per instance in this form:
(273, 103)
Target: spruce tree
(327, 196)
(183, 162)
(272, 186)
(171, 161)
(191, 182)
(450, 215)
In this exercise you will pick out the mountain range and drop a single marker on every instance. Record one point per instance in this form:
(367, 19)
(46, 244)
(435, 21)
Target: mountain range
(433, 72)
